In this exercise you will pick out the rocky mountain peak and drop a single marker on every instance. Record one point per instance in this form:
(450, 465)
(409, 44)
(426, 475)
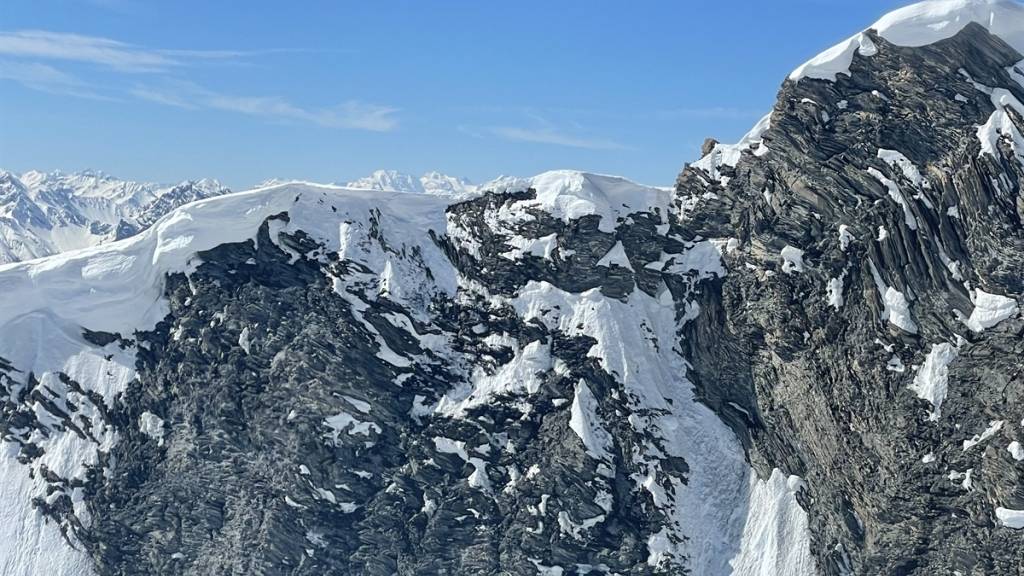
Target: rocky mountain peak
(803, 359)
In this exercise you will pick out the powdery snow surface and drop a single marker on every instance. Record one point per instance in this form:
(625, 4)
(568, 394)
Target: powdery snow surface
(775, 537)
(30, 545)
(568, 195)
(919, 25)
(932, 378)
(836, 60)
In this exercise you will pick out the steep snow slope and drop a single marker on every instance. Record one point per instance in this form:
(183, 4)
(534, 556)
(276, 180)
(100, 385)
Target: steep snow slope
(47, 213)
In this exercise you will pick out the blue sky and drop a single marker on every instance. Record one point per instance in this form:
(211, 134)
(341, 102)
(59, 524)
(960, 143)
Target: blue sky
(331, 90)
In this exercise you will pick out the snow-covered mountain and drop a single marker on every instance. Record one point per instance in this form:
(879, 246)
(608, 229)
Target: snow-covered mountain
(430, 183)
(804, 359)
(47, 213)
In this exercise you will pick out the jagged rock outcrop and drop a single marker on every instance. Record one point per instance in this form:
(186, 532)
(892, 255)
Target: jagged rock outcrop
(906, 221)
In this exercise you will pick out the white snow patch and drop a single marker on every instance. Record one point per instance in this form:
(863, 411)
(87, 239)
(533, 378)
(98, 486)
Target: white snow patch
(932, 378)
(568, 195)
(898, 160)
(919, 25)
(989, 310)
(478, 478)
(845, 237)
(153, 426)
(895, 364)
(897, 196)
(834, 290)
(836, 60)
(729, 154)
(792, 259)
(895, 307)
(523, 374)
(586, 423)
(899, 310)
(1010, 518)
(993, 428)
(345, 422)
(704, 258)
(543, 247)
(1016, 450)
(776, 538)
(243, 340)
(617, 257)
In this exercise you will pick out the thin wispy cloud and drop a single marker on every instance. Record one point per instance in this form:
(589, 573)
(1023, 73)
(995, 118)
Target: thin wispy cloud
(352, 114)
(554, 137)
(535, 128)
(628, 114)
(121, 56)
(162, 97)
(349, 115)
(27, 56)
(43, 45)
(46, 78)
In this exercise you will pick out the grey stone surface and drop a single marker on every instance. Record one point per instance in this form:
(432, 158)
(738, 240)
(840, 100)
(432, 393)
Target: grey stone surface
(824, 405)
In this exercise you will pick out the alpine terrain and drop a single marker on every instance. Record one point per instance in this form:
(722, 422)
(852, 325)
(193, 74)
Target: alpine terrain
(802, 360)
(46, 213)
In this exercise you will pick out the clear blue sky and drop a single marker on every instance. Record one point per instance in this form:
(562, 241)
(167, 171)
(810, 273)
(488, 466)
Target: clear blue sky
(331, 90)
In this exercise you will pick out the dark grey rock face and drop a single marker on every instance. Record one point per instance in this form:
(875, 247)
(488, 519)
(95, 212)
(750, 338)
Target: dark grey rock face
(830, 387)
(244, 473)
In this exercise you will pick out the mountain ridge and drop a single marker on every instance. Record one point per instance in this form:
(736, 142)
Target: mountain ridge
(803, 359)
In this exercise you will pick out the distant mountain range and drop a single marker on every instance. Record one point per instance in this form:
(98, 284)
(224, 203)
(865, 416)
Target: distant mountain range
(433, 183)
(45, 213)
